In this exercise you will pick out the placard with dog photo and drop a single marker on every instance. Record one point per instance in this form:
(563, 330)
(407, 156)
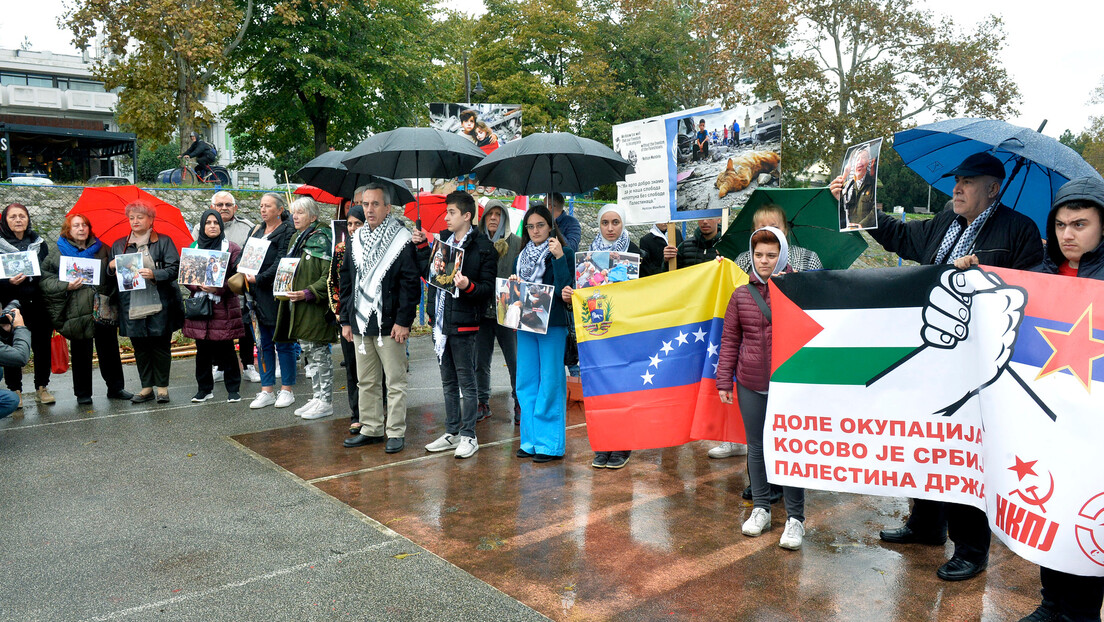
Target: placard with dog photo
(83, 269)
(126, 272)
(444, 263)
(23, 262)
(593, 268)
(253, 256)
(203, 268)
(858, 202)
(285, 272)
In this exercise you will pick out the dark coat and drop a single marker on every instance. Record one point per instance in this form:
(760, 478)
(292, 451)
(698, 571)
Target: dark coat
(745, 342)
(401, 291)
(1008, 239)
(697, 250)
(559, 273)
(464, 313)
(263, 302)
(226, 321)
(71, 310)
(1091, 264)
(651, 253)
(27, 292)
(166, 263)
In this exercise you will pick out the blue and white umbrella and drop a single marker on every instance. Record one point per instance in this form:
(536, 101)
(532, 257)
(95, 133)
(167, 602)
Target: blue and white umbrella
(1035, 165)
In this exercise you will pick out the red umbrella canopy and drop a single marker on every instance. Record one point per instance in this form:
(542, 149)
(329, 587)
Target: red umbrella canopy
(433, 212)
(104, 208)
(318, 194)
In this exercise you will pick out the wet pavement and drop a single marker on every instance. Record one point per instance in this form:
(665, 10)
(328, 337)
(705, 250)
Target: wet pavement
(213, 511)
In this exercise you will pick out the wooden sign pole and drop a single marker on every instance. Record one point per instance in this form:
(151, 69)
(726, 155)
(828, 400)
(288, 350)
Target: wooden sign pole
(671, 241)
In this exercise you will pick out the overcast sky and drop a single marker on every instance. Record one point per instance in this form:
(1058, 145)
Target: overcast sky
(1054, 51)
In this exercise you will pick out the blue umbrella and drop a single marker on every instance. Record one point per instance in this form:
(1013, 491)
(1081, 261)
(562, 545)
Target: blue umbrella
(1035, 165)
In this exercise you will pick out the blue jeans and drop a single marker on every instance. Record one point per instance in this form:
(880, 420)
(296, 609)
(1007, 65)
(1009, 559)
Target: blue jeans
(269, 352)
(9, 401)
(458, 375)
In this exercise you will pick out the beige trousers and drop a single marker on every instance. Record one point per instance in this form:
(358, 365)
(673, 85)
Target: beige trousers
(373, 362)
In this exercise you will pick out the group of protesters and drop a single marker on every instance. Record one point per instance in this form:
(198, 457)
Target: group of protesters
(364, 293)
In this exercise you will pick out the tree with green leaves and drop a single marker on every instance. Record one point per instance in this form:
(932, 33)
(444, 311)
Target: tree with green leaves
(163, 54)
(316, 74)
(850, 70)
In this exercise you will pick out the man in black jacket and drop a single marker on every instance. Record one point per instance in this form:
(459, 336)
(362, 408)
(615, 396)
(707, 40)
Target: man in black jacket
(699, 248)
(379, 296)
(455, 318)
(1000, 237)
(204, 154)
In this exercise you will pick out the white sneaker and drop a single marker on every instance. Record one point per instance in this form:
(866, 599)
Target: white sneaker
(757, 523)
(217, 373)
(321, 409)
(264, 398)
(792, 535)
(467, 447)
(251, 374)
(306, 407)
(444, 443)
(284, 398)
(728, 450)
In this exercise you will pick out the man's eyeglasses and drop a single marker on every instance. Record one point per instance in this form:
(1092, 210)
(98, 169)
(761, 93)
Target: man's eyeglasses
(224, 204)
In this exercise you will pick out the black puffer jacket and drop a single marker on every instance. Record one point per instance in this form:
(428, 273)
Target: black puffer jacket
(1092, 263)
(464, 313)
(697, 249)
(1008, 239)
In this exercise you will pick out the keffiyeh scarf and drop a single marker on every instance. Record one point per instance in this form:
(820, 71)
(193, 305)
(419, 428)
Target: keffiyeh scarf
(966, 243)
(373, 252)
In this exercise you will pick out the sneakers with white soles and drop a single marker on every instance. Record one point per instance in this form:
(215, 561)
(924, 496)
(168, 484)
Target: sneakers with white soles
(728, 450)
(467, 447)
(306, 407)
(792, 535)
(264, 398)
(203, 397)
(284, 398)
(444, 443)
(757, 523)
(251, 374)
(321, 409)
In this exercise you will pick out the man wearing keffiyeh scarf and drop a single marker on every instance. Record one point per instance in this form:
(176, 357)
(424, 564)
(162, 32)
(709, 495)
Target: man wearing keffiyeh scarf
(379, 296)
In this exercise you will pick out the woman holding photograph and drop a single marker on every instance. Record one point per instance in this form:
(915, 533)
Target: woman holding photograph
(82, 312)
(16, 236)
(276, 230)
(149, 316)
(541, 383)
(611, 238)
(214, 334)
(304, 316)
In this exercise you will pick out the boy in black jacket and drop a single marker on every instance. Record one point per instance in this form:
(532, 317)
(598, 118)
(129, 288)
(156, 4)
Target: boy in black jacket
(455, 320)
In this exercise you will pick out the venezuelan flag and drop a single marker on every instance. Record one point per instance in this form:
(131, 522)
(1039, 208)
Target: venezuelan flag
(648, 352)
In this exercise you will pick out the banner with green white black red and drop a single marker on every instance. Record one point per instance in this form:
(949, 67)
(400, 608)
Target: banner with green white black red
(981, 387)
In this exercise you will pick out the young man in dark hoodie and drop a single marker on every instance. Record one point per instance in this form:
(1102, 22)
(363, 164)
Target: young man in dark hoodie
(1075, 247)
(700, 247)
(455, 321)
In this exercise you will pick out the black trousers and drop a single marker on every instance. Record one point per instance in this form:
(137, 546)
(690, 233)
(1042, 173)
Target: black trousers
(348, 352)
(246, 343)
(34, 316)
(219, 353)
(1078, 598)
(153, 358)
(966, 525)
(106, 341)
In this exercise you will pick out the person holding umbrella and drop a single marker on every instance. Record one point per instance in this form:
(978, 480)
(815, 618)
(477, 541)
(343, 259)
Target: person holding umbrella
(977, 225)
(149, 318)
(16, 235)
(214, 335)
(277, 231)
(541, 384)
(304, 316)
(79, 311)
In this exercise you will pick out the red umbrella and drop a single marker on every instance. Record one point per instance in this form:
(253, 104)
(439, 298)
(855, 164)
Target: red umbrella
(318, 194)
(103, 207)
(433, 212)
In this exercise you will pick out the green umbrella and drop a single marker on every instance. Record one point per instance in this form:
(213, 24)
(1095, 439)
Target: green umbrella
(813, 217)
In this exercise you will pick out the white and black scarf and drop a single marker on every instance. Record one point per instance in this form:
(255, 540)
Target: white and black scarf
(530, 261)
(439, 336)
(373, 253)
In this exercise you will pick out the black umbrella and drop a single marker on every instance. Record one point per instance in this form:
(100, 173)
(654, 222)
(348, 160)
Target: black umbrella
(555, 162)
(413, 152)
(328, 173)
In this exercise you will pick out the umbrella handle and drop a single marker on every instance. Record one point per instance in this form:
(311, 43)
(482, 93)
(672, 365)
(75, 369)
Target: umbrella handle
(418, 223)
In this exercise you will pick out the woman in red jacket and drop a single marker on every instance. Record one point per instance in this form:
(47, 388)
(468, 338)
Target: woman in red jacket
(745, 355)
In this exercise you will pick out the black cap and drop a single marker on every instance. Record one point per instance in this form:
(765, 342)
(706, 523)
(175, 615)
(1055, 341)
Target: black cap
(979, 164)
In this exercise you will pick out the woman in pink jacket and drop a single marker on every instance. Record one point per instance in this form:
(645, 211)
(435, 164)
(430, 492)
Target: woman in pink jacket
(745, 355)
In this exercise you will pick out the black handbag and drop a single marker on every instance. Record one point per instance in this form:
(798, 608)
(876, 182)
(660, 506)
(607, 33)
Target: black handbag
(199, 308)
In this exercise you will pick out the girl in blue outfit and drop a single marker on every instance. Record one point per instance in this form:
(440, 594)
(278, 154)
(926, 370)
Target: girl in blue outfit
(541, 382)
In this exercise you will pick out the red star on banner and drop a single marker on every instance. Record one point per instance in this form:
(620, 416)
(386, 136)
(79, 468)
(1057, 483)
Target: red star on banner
(1023, 469)
(1075, 350)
